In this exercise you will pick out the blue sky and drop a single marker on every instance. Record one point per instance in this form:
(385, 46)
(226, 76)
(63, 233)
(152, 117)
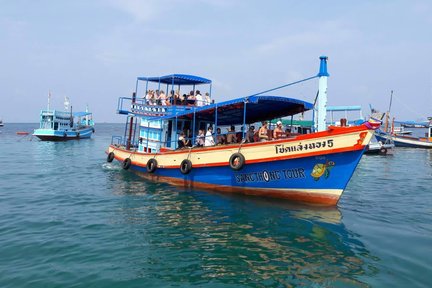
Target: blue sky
(92, 51)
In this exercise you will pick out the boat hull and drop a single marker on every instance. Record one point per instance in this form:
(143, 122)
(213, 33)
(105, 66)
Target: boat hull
(404, 141)
(59, 135)
(278, 169)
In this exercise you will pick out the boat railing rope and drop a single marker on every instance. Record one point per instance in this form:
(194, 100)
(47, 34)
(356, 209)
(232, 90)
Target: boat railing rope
(286, 85)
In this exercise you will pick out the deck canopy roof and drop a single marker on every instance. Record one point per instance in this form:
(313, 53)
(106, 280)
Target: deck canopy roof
(81, 114)
(258, 108)
(177, 79)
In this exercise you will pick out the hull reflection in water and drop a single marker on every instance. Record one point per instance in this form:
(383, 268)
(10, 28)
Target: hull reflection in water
(226, 239)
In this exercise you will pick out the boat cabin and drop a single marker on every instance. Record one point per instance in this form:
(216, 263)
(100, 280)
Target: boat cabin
(64, 120)
(155, 123)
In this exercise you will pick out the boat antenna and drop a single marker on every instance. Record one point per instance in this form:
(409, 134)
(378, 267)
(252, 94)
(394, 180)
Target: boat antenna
(49, 99)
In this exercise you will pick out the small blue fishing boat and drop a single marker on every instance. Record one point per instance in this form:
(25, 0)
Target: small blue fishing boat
(407, 141)
(66, 125)
(160, 130)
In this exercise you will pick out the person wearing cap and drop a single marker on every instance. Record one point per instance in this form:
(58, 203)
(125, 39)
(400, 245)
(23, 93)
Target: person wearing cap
(277, 132)
(262, 132)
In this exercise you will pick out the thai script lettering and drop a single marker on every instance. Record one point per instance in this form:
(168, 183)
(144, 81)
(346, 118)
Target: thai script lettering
(281, 148)
(267, 176)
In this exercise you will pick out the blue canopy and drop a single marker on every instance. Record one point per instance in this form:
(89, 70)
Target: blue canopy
(258, 108)
(177, 79)
(81, 114)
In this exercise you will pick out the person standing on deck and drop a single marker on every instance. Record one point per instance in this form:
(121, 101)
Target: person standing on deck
(199, 99)
(209, 140)
(207, 99)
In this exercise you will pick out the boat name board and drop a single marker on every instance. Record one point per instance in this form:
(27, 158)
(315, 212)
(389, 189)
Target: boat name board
(267, 176)
(281, 148)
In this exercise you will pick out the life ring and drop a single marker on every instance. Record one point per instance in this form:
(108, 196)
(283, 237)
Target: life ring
(110, 157)
(126, 163)
(383, 150)
(185, 166)
(237, 161)
(151, 165)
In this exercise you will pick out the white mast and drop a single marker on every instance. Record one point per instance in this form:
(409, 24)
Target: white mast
(49, 100)
(320, 119)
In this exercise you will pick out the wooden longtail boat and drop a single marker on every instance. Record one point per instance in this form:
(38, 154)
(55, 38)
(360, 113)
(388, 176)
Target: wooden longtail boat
(313, 168)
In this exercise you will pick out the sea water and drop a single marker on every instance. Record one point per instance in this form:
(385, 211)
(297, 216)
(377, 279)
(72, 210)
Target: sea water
(70, 219)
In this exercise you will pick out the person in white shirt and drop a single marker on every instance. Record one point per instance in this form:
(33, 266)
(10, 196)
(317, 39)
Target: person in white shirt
(209, 140)
(200, 140)
(207, 100)
(199, 99)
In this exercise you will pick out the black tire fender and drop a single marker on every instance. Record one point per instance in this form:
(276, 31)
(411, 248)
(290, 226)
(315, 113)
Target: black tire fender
(110, 157)
(151, 165)
(383, 150)
(126, 163)
(237, 161)
(185, 166)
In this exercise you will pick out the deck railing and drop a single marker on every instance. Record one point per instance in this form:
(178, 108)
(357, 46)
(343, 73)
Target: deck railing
(125, 106)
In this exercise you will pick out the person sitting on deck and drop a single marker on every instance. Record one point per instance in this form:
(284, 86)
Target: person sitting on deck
(191, 98)
(200, 140)
(148, 97)
(262, 132)
(177, 99)
(231, 137)
(277, 132)
(250, 134)
(183, 100)
(181, 143)
(220, 139)
(162, 98)
(209, 140)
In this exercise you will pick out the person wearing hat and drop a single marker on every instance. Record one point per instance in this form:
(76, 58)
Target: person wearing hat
(277, 132)
(262, 132)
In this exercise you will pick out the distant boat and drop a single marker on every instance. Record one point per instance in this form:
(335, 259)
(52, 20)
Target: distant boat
(407, 141)
(22, 133)
(58, 125)
(1, 123)
(378, 147)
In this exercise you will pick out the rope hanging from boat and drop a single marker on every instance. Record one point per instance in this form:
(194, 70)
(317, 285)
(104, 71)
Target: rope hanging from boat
(286, 85)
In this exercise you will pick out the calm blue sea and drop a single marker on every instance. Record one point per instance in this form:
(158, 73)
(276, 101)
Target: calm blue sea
(69, 219)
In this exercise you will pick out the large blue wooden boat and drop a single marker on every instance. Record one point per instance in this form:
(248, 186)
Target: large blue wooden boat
(314, 167)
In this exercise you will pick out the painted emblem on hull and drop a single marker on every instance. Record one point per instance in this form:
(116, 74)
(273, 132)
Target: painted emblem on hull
(321, 169)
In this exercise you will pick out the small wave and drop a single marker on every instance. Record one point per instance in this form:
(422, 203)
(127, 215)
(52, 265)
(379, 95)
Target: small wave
(110, 167)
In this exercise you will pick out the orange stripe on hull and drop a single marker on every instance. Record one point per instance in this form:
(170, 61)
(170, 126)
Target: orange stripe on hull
(324, 199)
